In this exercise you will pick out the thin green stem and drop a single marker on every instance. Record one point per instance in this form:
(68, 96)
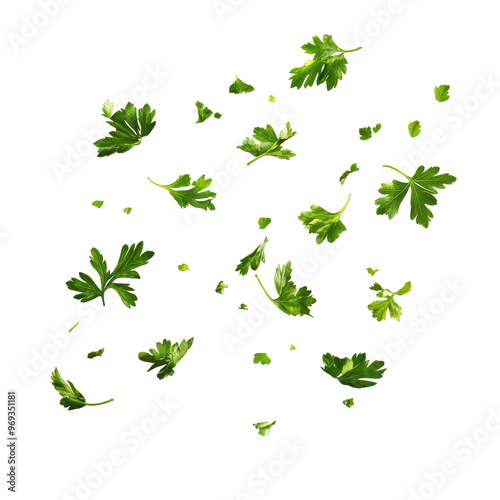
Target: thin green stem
(388, 166)
(265, 291)
(262, 155)
(73, 327)
(352, 50)
(346, 203)
(97, 404)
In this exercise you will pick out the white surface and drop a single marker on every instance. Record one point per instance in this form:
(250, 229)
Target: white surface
(439, 388)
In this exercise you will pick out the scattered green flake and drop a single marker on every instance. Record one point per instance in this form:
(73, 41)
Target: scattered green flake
(377, 128)
(351, 371)
(371, 271)
(217, 115)
(328, 65)
(270, 143)
(348, 402)
(220, 287)
(252, 260)
(167, 355)
(238, 87)
(343, 177)
(71, 399)
(130, 127)
(203, 112)
(323, 223)
(423, 185)
(290, 300)
(262, 358)
(414, 128)
(107, 108)
(292, 347)
(195, 196)
(127, 210)
(97, 203)
(94, 354)
(365, 133)
(264, 222)
(183, 267)
(272, 98)
(129, 260)
(379, 308)
(73, 327)
(264, 427)
(243, 306)
(442, 93)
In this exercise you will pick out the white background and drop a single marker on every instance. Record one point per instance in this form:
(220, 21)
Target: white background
(441, 385)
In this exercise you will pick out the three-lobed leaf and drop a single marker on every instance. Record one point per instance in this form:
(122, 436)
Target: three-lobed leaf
(379, 308)
(353, 371)
(253, 260)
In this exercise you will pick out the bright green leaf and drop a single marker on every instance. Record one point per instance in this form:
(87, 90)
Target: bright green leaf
(352, 371)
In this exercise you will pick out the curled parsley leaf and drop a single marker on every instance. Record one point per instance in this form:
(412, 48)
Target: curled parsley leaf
(252, 260)
(352, 371)
(129, 260)
(290, 300)
(270, 143)
(423, 186)
(195, 196)
(379, 308)
(221, 286)
(167, 355)
(343, 177)
(323, 223)
(130, 127)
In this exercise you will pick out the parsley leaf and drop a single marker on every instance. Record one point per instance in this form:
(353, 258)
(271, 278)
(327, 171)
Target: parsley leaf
(72, 399)
(343, 177)
(244, 307)
(217, 116)
(264, 222)
(365, 133)
(348, 402)
(290, 300)
(379, 308)
(130, 127)
(423, 185)
(270, 143)
(167, 356)
(220, 287)
(195, 196)
(414, 129)
(328, 65)
(377, 128)
(238, 87)
(97, 203)
(271, 98)
(351, 371)
(183, 267)
(107, 109)
(252, 260)
(323, 223)
(371, 271)
(94, 354)
(130, 259)
(442, 93)
(262, 358)
(203, 112)
(127, 210)
(292, 347)
(264, 427)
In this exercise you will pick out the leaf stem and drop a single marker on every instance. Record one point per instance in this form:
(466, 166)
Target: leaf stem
(388, 166)
(346, 203)
(265, 291)
(97, 404)
(352, 50)
(263, 154)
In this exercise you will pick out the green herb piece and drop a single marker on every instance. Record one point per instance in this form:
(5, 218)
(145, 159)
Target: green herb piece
(220, 287)
(414, 128)
(195, 196)
(264, 427)
(72, 399)
(130, 127)
(252, 260)
(183, 267)
(203, 112)
(379, 308)
(323, 223)
(262, 358)
(442, 93)
(343, 177)
(94, 354)
(371, 271)
(243, 306)
(270, 143)
(127, 210)
(423, 185)
(217, 116)
(73, 327)
(264, 222)
(107, 109)
(272, 98)
(167, 355)
(292, 347)
(129, 260)
(238, 87)
(97, 203)
(351, 371)
(290, 300)
(328, 65)
(377, 128)
(348, 402)
(365, 133)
